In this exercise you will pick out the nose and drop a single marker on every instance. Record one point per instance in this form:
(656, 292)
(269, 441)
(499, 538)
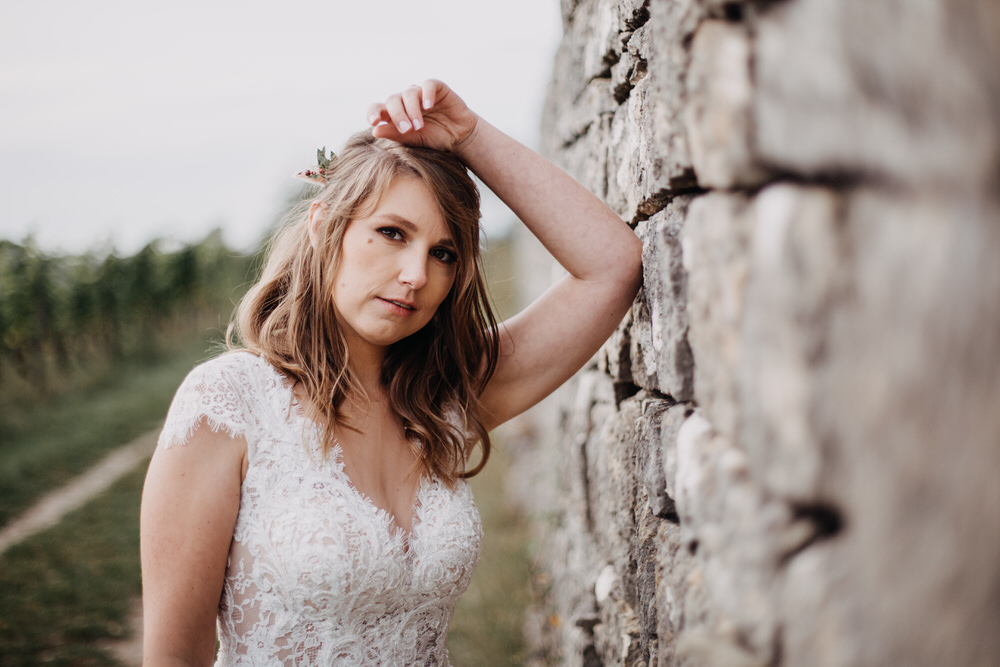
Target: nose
(413, 270)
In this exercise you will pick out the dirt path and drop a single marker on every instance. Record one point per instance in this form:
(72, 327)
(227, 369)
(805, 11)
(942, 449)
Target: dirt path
(51, 508)
(129, 651)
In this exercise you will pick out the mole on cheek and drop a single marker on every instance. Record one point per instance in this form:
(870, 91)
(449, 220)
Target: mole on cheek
(370, 240)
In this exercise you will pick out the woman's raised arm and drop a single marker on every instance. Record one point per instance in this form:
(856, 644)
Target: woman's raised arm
(551, 339)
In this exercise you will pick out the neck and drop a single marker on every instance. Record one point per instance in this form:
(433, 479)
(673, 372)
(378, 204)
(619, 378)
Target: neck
(366, 364)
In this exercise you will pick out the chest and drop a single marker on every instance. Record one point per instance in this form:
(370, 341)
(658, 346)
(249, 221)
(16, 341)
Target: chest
(304, 531)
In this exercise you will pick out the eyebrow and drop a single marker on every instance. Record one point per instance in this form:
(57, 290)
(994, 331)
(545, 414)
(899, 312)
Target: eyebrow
(403, 222)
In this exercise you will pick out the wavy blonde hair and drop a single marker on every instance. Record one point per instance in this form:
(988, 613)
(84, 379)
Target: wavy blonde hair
(434, 377)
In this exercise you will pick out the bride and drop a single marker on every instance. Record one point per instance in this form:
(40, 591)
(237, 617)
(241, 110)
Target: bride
(307, 503)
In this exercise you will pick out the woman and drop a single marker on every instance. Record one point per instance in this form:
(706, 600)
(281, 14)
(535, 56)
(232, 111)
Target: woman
(317, 511)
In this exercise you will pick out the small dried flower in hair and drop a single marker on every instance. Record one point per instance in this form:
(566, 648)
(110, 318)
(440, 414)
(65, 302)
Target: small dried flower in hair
(322, 160)
(319, 175)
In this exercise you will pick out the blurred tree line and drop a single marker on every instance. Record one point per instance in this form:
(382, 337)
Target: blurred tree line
(63, 318)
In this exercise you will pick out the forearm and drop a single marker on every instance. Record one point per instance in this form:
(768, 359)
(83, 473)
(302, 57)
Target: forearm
(580, 231)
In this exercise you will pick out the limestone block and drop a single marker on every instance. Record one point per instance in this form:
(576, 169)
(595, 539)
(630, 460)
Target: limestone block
(911, 354)
(632, 14)
(629, 595)
(821, 622)
(718, 118)
(603, 43)
(635, 161)
(724, 8)
(564, 538)
(568, 7)
(797, 268)
(641, 156)
(682, 605)
(740, 537)
(659, 354)
(644, 577)
(671, 25)
(617, 638)
(715, 248)
(570, 610)
(612, 482)
(581, 91)
(868, 88)
(566, 123)
(657, 427)
(591, 407)
(596, 42)
(608, 26)
(648, 157)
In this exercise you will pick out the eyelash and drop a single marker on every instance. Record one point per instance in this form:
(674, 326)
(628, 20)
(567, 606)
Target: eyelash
(443, 255)
(391, 233)
(447, 256)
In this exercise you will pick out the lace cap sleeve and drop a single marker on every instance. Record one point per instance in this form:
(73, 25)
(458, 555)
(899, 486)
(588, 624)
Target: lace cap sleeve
(215, 392)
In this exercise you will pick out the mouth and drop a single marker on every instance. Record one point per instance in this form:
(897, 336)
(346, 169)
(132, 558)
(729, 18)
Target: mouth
(405, 305)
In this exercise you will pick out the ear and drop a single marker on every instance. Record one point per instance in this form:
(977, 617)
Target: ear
(317, 211)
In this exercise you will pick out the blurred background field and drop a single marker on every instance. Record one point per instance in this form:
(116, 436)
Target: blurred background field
(91, 350)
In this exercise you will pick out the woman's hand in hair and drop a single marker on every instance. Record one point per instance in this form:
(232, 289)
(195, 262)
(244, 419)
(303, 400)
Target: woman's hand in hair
(430, 114)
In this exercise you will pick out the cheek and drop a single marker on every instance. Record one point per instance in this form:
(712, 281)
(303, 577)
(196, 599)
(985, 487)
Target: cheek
(447, 285)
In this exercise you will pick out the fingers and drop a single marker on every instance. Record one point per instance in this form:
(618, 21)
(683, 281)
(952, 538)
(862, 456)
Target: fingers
(376, 114)
(402, 110)
(381, 122)
(431, 88)
(429, 114)
(412, 106)
(397, 113)
(405, 110)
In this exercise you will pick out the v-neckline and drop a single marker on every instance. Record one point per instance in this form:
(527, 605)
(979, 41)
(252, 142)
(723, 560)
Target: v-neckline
(336, 457)
(392, 524)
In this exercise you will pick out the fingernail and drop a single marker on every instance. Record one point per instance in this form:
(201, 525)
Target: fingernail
(404, 127)
(372, 119)
(427, 102)
(417, 124)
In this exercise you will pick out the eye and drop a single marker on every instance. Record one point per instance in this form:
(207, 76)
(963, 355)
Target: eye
(444, 255)
(391, 233)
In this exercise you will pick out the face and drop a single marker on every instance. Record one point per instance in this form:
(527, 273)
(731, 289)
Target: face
(396, 267)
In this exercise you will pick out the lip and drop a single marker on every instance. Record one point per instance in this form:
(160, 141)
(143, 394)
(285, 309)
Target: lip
(398, 306)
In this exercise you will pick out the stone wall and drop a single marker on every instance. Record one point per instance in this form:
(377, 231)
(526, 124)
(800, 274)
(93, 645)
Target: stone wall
(788, 454)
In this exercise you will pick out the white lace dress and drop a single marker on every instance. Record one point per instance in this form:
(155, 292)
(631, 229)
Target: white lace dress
(317, 574)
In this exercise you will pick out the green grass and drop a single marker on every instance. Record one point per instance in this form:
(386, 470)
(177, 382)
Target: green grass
(45, 446)
(66, 589)
(487, 627)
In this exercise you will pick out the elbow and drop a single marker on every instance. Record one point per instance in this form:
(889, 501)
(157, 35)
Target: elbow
(631, 266)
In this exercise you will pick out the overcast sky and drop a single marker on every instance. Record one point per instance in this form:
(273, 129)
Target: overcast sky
(124, 120)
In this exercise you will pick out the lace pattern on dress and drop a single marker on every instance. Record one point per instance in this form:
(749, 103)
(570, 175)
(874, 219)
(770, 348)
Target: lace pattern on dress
(317, 573)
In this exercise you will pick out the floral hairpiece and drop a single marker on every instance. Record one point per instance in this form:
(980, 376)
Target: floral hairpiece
(321, 174)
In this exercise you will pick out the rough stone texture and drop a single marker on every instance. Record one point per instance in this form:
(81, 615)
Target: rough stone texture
(785, 455)
(620, 123)
(715, 256)
(893, 90)
(718, 115)
(650, 349)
